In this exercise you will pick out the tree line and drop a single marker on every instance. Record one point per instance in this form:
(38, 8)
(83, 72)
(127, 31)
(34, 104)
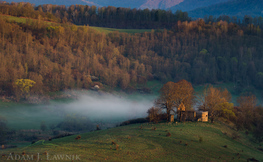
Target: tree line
(114, 17)
(97, 16)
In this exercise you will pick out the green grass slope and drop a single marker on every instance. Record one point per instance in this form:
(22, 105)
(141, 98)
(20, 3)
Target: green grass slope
(145, 144)
(21, 19)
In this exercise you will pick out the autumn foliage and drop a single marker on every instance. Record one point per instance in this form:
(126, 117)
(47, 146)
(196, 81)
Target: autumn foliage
(214, 100)
(173, 94)
(22, 87)
(65, 56)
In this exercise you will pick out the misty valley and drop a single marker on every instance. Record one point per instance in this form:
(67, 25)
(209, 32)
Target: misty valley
(177, 80)
(84, 112)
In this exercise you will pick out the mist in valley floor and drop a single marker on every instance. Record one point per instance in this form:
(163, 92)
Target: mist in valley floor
(100, 108)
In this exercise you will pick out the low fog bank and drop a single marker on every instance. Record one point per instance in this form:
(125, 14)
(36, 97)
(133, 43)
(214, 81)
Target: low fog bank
(80, 111)
(100, 108)
(108, 107)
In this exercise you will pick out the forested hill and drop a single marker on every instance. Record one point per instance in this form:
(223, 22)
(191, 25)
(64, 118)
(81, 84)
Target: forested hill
(112, 17)
(238, 8)
(65, 56)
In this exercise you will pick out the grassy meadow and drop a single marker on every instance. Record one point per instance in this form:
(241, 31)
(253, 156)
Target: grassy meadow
(21, 19)
(143, 143)
(13, 18)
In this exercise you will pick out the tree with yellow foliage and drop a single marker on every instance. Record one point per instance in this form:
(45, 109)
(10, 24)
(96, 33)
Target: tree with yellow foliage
(213, 100)
(23, 87)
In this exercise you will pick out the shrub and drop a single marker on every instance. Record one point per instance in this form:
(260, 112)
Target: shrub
(200, 139)
(252, 159)
(117, 146)
(113, 143)
(168, 134)
(134, 121)
(78, 137)
(154, 114)
(141, 127)
(62, 135)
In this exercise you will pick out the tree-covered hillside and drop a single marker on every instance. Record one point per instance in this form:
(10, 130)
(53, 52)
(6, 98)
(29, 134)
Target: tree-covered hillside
(64, 56)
